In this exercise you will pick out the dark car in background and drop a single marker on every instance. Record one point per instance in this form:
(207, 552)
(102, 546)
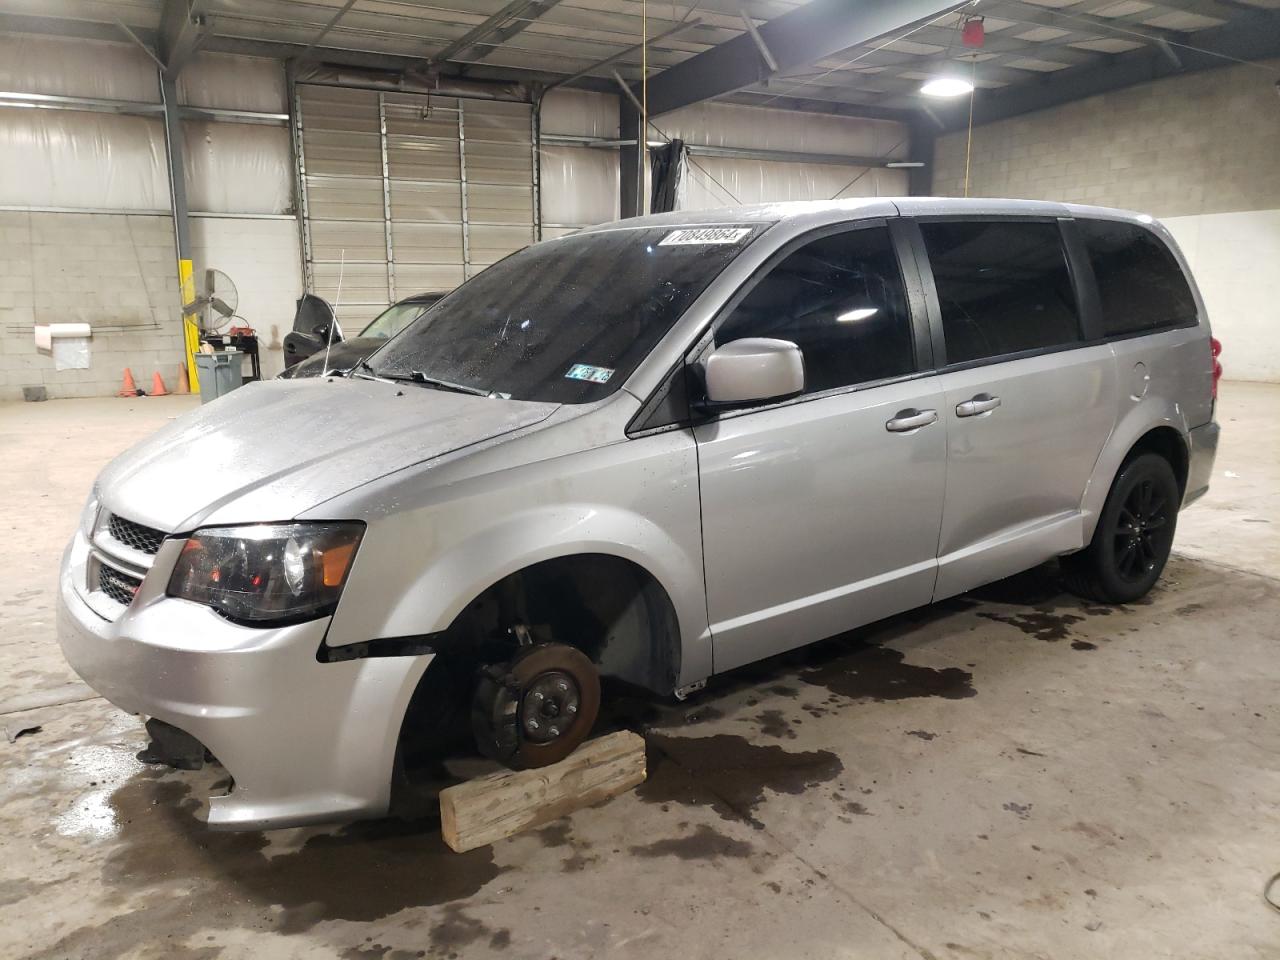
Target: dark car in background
(314, 323)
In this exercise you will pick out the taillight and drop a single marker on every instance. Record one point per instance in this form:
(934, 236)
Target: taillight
(1215, 348)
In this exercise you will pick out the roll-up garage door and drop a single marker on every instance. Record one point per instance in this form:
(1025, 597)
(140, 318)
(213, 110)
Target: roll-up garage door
(406, 193)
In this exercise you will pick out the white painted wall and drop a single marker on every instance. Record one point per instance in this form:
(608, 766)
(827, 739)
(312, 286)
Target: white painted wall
(1236, 261)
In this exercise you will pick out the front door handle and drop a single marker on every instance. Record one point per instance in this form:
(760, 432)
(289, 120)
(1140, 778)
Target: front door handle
(904, 421)
(982, 403)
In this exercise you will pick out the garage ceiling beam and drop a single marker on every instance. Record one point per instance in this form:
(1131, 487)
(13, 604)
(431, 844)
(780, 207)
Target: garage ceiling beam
(1021, 13)
(502, 26)
(1251, 36)
(71, 29)
(324, 31)
(806, 34)
(182, 28)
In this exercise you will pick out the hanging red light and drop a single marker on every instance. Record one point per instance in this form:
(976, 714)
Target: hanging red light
(973, 34)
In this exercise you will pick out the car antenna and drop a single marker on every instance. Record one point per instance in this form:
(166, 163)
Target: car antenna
(342, 258)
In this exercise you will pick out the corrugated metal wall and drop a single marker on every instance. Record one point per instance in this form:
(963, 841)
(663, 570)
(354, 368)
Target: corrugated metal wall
(404, 193)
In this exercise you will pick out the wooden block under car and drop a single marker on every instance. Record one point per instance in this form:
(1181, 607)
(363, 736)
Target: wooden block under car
(501, 804)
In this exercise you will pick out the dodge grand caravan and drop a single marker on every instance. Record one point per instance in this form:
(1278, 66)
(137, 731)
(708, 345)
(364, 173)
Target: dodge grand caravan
(655, 450)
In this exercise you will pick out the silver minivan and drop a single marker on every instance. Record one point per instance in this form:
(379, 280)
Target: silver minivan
(654, 450)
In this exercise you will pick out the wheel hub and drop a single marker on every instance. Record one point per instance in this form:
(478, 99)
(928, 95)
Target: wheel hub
(1140, 519)
(549, 706)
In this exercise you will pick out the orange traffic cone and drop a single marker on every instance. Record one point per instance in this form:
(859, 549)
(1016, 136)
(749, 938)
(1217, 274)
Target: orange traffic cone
(129, 389)
(184, 383)
(157, 386)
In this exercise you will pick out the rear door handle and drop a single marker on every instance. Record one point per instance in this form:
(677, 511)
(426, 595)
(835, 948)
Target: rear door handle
(911, 419)
(982, 403)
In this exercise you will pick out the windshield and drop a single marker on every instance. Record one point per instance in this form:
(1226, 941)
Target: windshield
(394, 319)
(564, 321)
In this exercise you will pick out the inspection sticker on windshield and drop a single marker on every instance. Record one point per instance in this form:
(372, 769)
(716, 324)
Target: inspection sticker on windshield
(677, 238)
(584, 371)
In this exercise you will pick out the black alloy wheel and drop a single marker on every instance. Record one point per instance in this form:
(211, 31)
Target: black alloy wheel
(1134, 536)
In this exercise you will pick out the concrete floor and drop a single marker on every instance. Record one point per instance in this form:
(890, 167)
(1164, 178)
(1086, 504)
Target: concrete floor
(1010, 774)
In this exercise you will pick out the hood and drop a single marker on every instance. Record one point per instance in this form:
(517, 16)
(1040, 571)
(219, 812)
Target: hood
(275, 449)
(343, 355)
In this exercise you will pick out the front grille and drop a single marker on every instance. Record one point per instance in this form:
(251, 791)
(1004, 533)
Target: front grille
(120, 587)
(135, 535)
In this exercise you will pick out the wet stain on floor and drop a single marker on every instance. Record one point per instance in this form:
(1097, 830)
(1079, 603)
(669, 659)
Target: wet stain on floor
(703, 844)
(171, 857)
(882, 673)
(1040, 624)
(456, 930)
(774, 723)
(729, 773)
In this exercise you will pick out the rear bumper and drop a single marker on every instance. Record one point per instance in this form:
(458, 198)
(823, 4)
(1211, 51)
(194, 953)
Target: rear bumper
(304, 741)
(1202, 443)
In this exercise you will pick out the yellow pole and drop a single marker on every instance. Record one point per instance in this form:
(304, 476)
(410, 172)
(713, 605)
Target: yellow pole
(190, 327)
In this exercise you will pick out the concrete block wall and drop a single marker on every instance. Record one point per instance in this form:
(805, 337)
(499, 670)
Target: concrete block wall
(1206, 142)
(115, 272)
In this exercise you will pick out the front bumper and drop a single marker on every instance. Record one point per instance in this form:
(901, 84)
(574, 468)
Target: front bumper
(1202, 449)
(304, 741)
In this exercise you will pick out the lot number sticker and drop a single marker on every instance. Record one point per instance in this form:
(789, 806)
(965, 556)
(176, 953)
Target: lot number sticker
(677, 238)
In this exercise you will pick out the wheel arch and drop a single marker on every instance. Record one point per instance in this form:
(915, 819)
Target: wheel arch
(605, 604)
(1165, 435)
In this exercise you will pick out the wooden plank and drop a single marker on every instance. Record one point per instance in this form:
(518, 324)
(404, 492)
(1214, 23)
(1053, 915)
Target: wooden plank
(501, 804)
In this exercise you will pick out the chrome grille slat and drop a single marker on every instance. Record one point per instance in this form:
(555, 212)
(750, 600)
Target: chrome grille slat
(135, 535)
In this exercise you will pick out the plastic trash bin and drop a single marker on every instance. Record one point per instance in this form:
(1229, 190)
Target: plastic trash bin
(219, 374)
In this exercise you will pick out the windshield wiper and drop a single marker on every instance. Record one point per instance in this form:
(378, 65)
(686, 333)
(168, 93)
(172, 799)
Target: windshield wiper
(363, 364)
(417, 376)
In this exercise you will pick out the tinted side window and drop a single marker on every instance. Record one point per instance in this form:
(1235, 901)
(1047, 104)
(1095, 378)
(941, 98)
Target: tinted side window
(1004, 287)
(1140, 284)
(840, 299)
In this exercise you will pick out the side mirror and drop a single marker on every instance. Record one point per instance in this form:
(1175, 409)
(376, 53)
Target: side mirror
(754, 370)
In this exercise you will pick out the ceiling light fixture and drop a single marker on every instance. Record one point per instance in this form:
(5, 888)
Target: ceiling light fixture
(946, 87)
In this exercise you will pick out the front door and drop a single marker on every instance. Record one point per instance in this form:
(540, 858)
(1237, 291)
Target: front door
(1028, 404)
(822, 512)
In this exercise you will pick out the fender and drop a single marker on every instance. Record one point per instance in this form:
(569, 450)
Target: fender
(1142, 417)
(457, 577)
(419, 566)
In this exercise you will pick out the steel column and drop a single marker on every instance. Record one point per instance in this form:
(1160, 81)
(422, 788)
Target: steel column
(630, 173)
(386, 198)
(300, 179)
(924, 134)
(173, 150)
(466, 218)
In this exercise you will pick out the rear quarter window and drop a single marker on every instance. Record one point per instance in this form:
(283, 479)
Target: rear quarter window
(1140, 285)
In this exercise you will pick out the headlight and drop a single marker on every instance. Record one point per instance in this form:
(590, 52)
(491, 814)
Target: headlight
(267, 573)
(89, 515)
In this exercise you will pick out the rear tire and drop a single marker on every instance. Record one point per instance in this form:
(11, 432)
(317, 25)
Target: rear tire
(1134, 534)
